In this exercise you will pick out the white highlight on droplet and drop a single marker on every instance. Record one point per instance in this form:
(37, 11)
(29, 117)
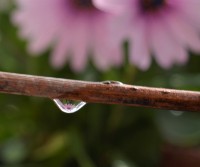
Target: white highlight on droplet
(176, 113)
(69, 107)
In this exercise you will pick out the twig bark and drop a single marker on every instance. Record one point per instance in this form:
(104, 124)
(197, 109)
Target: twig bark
(99, 92)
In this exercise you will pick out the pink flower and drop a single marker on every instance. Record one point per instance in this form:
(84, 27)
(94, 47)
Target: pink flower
(75, 29)
(164, 28)
(69, 106)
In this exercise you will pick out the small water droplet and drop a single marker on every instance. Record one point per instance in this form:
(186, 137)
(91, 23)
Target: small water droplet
(176, 113)
(69, 106)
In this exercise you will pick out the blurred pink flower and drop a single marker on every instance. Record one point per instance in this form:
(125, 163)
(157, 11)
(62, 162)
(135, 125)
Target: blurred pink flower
(75, 28)
(164, 28)
(69, 106)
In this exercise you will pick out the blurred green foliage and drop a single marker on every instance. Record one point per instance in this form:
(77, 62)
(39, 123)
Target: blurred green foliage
(33, 132)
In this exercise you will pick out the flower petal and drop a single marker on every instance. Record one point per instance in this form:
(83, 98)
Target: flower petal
(81, 43)
(116, 6)
(162, 43)
(184, 33)
(139, 47)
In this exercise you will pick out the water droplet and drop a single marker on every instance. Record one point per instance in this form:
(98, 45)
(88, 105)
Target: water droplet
(176, 113)
(69, 106)
(112, 82)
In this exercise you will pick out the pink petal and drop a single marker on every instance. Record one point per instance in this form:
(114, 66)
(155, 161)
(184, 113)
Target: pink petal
(162, 42)
(181, 56)
(183, 31)
(81, 45)
(190, 10)
(61, 51)
(107, 47)
(116, 6)
(139, 48)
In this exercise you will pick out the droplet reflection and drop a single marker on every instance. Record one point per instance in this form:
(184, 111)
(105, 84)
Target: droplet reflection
(69, 106)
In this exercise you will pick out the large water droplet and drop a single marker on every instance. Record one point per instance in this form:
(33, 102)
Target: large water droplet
(69, 106)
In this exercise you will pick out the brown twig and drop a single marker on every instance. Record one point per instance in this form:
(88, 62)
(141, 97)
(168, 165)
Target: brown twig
(99, 92)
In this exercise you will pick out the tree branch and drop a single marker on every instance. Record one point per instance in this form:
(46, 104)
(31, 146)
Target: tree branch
(99, 92)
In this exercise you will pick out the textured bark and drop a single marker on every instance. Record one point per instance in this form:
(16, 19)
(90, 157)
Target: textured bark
(109, 92)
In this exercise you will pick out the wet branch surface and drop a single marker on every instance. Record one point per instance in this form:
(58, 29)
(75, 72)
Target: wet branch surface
(109, 92)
